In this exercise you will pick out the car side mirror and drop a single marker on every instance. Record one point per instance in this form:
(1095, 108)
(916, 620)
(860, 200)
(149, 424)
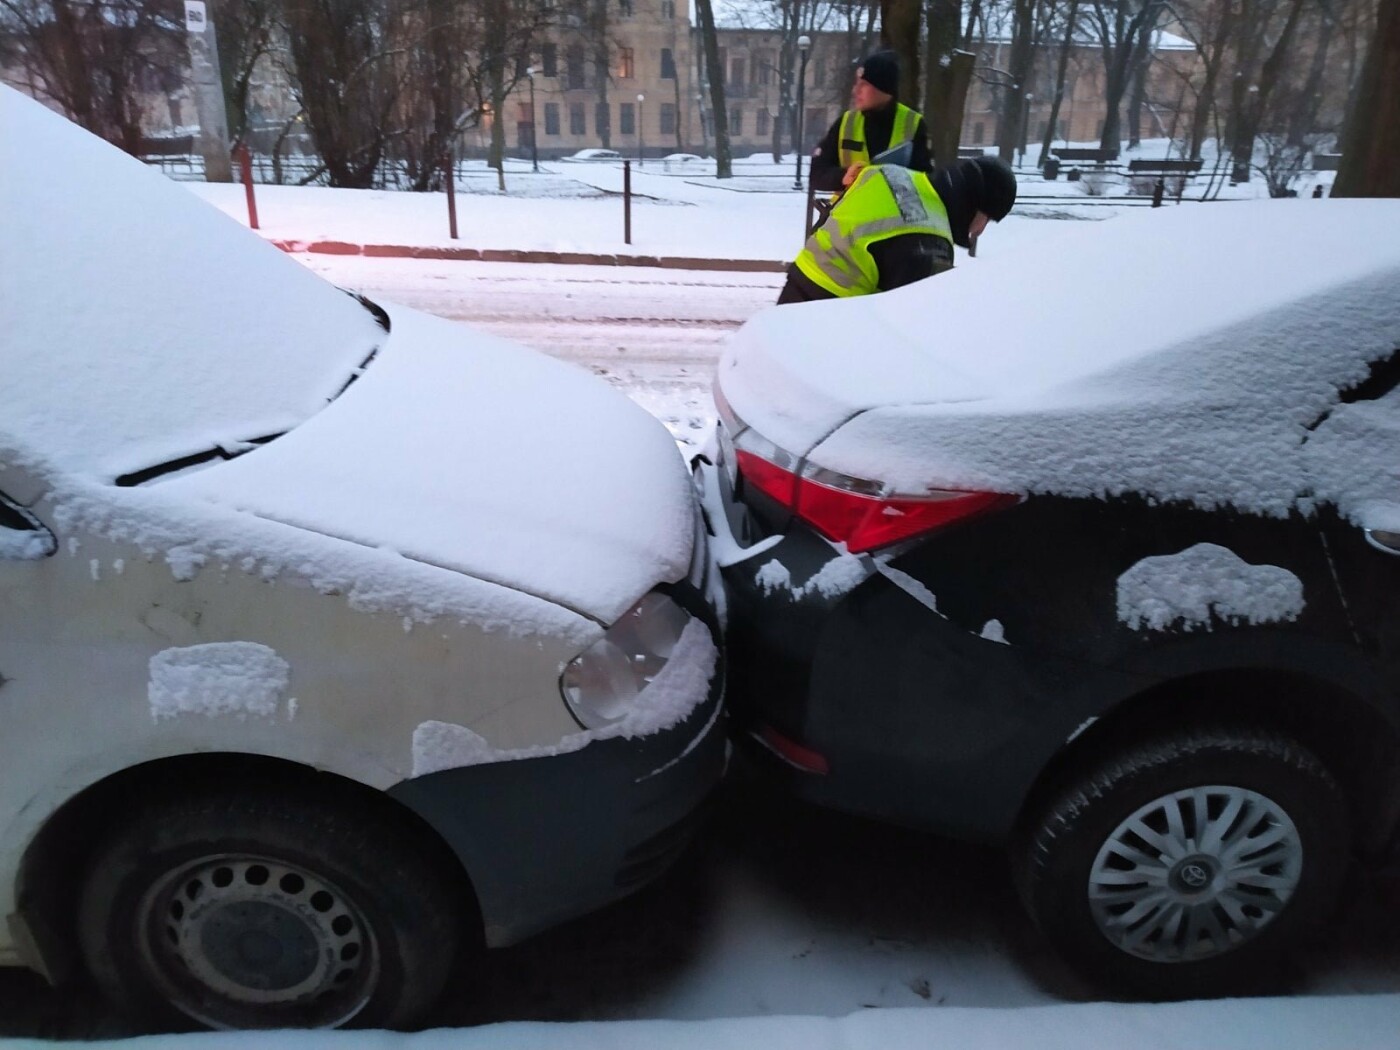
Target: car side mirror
(23, 537)
(1385, 542)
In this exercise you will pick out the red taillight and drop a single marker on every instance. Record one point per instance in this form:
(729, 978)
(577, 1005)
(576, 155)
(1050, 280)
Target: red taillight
(769, 478)
(864, 522)
(861, 520)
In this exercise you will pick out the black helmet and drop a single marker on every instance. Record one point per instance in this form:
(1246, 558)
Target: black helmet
(990, 185)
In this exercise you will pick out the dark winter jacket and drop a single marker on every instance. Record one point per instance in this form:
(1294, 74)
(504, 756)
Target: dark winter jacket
(826, 172)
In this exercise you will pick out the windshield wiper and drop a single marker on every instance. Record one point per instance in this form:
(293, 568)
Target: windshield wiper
(194, 459)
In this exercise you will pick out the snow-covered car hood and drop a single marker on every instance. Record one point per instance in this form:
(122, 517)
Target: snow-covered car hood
(471, 453)
(142, 326)
(1187, 352)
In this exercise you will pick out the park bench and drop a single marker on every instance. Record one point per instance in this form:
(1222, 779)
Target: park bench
(1182, 170)
(969, 152)
(168, 150)
(1082, 154)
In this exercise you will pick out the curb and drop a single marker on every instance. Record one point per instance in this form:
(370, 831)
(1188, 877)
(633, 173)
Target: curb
(403, 251)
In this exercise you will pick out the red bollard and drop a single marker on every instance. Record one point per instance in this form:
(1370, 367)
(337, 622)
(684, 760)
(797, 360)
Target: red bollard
(245, 166)
(449, 175)
(626, 202)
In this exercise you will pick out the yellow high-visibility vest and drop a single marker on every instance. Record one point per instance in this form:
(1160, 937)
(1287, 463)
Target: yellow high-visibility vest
(883, 202)
(851, 143)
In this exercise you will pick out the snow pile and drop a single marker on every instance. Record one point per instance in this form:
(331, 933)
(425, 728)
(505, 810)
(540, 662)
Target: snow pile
(217, 678)
(1185, 353)
(1202, 582)
(1349, 1022)
(667, 700)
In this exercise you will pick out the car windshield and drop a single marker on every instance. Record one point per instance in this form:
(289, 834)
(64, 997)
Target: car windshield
(117, 361)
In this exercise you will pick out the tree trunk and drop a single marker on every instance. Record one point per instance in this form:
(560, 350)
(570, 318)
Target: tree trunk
(1061, 69)
(1370, 165)
(900, 22)
(949, 74)
(1012, 125)
(724, 164)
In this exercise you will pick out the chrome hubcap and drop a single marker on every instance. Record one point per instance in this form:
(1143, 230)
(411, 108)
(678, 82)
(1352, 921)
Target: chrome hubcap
(242, 941)
(1195, 873)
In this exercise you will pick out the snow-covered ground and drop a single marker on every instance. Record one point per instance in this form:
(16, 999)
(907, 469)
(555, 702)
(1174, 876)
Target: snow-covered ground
(784, 928)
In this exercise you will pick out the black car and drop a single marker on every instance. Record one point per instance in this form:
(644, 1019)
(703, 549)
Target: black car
(1110, 577)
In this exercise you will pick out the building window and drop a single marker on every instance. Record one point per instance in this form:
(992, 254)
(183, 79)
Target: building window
(602, 121)
(763, 123)
(625, 65)
(1044, 127)
(668, 64)
(624, 8)
(627, 118)
(551, 118)
(736, 121)
(736, 74)
(818, 73)
(763, 68)
(668, 118)
(549, 59)
(668, 10)
(573, 60)
(578, 122)
(977, 130)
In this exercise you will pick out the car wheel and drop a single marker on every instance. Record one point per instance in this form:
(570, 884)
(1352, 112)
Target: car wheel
(265, 910)
(1185, 868)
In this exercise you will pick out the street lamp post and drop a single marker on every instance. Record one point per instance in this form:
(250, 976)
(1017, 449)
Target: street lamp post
(641, 142)
(804, 44)
(534, 136)
(1025, 124)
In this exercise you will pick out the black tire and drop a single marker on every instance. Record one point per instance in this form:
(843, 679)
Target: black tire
(1176, 915)
(263, 910)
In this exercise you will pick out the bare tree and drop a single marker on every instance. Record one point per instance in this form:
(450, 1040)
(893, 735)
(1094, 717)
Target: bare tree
(96, 58)
(1071, 28)
(347, 82)
(1119, 26)
(949, 75)
(709, 39)
(247, 37)
(1370, 165)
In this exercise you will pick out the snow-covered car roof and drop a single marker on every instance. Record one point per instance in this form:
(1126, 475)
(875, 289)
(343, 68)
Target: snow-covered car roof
(141, 326)
(1194, 352)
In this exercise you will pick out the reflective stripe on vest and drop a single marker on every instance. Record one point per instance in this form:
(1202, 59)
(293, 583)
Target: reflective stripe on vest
(883, 202)
(852, 130)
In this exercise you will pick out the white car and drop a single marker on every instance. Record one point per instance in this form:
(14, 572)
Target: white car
(593, 155)
(334, 639)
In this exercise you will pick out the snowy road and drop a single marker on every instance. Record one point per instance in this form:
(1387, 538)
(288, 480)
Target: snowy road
(654, 333)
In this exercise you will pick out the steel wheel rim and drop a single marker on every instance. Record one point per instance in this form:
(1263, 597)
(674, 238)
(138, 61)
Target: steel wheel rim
(244, 941)
(1195, 874)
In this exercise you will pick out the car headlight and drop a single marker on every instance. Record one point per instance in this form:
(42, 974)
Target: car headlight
(600, 683)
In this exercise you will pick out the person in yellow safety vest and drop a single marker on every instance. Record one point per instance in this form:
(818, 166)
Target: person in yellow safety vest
(895, 226)
(874, 123)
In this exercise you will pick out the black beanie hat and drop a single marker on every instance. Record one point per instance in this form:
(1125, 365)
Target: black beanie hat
(990, 185)
(881, 71)
(984, 184)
